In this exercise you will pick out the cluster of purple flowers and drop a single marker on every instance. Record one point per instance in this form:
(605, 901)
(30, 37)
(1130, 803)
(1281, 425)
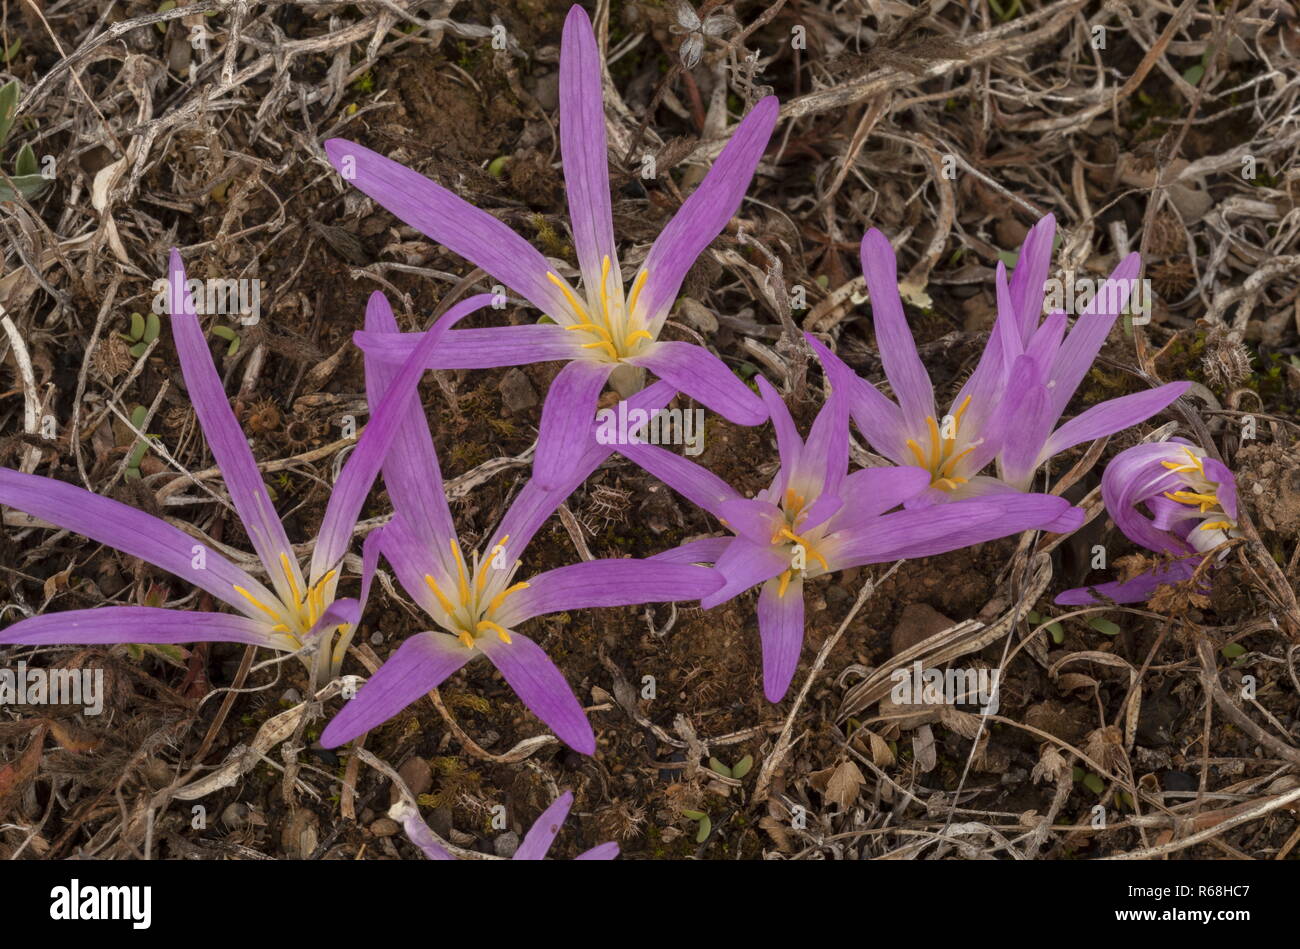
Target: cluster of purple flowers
(956, 479)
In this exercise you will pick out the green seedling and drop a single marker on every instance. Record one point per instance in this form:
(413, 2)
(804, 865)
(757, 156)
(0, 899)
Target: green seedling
(705, 822)
(138, 416)
(1104, 626)
(1057, 633)
(737, 771)
(143, 331)
(226, 333)
(26, 179)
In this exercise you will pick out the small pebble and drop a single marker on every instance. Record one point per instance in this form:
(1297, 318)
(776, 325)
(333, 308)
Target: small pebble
(505, 845)
(385, 827)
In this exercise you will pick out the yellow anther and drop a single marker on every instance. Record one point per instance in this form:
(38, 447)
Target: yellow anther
(460, 572)
(785, 583)
(808, 548)
(637, 284)
(604, 287)
(1217, 525)
(590, 328)
(501, 597)
(568, 295)
(466, 639)
(442, 600)
(956, 418)
(504, 636)
(639, 334)
(258, 603)
(488, 624)
(934, 443)
(609, 347)
(1206, 501)
(916, 451)
(946, 470)
(279, 628)
(948, 484)
(288, 575)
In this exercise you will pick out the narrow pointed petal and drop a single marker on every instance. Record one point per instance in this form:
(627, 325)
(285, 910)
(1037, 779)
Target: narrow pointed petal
(1029, 278)
(696, 484)
(745, 565)
(1091, 329)
(421, 663)
(705, 550)
(788, 441)
(225, 438)
(944, 527)
(583, 147)
(133, 532)
(1111, 416)
(903, 366)
(537, 842)
(704, 377)
(705, 213)
(780, 626)
(541, 687)
(1025, 424)
(605, 851)
(482, 348)
(456, 224)
(823, 461)
(412, 560)
(569, 408)
(138, 624)
(392, 419)
(1137, 590)
(879, 419)
(873, 491)
(607, 583)
(418, 832)
(535, 502)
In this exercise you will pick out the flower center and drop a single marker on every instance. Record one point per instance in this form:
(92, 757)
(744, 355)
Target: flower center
(296, 620)
(940, 456)
(800, 548)
(612, 328)
(470, 615)
(1201, 493)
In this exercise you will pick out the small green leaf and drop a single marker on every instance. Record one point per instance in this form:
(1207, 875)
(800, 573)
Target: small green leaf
(234, 348)
(1033, 618)
(163, 8)
(225, 332)
(1193, 74)
(694, 815)
(1077, 773)
(1104, 626)
(138, 415)
(152, 326)
(1093, 783)
(741, 767)
(497, 166)
(8, 108)
(1008, 257)
(29, 186)
(706, 828)
(719, 767)
(137, 326)
(26, 164)
(1058, 634)
(137, 350)
(13, 49)
(1233, 650)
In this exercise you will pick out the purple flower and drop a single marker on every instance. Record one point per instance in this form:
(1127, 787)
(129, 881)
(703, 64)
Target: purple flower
(604, 330)
(477, 601)
(1007, 411)
(1190, 503)
(536, 843)
(296, 610)
(815, 518)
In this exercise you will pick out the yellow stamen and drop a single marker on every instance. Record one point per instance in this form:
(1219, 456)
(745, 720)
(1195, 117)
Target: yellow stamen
(488, 624)
(785, 583)
(916, 451)
(934, 442)
(946, 470)
(609, 347)
(604, 288)
(442, 600)
(460, 573)
(1217, 525)
(590, 328)
(637, 284)
(808, 548)
(639, 334)
(258, 603)
(279, 628)
(1206, 501)
(568, 295)
(500, 598)
(288, 575)
(466, 639)
(956, 418)
(948, 484)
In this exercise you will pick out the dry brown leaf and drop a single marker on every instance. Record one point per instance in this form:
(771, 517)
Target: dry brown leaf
(844, 784)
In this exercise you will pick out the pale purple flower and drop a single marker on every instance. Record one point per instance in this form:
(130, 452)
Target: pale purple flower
(297, 609)
(601, 331)
(815, 518)
(1007, 412)
(535, 845)
(1169, 497)
(477, 601)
